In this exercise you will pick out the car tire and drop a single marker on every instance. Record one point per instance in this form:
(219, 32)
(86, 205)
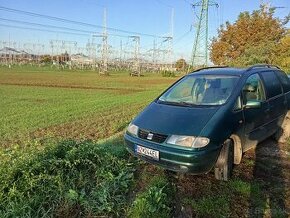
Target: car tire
(225, 162)
(283, 133)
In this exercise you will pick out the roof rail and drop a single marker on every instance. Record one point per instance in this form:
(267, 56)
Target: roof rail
(204, 68)
(263, 65)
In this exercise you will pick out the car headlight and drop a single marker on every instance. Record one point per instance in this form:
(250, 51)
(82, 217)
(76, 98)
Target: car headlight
(188, 141)
(133, 129)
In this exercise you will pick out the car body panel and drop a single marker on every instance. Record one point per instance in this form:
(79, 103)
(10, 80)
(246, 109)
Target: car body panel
(218, 123)
(174, 120)
(195, 162)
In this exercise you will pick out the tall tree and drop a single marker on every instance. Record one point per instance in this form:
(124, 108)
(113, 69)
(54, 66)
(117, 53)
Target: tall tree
(253, 38)
(283, 52)
(181, 64)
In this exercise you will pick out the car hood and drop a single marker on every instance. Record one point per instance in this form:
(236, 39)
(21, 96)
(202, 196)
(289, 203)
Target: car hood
(174, 120)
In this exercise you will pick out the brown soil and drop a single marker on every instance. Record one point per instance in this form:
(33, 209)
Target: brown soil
(268, 165)
(119, 90)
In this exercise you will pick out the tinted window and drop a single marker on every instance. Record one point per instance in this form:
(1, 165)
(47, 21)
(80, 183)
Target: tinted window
(272, 84)
(284, 80)
(253, 89)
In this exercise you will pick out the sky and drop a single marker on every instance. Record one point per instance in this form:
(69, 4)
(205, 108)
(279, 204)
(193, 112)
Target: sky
(149, 17)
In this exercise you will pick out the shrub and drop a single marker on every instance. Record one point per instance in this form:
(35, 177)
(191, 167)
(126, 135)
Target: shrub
(168, 73)
(155, 201)
(65, 179)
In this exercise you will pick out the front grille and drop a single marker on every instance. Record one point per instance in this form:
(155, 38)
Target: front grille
(159, 138)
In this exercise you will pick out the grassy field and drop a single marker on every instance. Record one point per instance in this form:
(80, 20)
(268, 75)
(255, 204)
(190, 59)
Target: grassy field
(62, 155)
(81, 105)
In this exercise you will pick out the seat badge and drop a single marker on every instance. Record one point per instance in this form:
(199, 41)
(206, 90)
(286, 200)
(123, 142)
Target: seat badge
(149, 136)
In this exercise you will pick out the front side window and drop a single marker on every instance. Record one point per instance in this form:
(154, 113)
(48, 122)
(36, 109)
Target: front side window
(253, 89)
(201, 90)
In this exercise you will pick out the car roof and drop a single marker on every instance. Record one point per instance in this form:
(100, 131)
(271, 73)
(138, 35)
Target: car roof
(219, 71)
(233, 71)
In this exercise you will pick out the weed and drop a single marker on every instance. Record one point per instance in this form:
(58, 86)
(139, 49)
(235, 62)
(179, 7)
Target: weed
(94, 178)
(210, 206)
(168, 74)
(154, 201)
(240, 187)
(249, 162)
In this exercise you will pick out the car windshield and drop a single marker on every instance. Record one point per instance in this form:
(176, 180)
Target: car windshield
(200, 90)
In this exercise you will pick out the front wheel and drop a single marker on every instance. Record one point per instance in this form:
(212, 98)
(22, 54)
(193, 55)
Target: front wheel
(224, 165)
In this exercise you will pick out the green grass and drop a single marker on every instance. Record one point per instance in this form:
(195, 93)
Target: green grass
(37, 103)
(64, 179)
(155, 199)
(45, 174)
(240, 187)
(80, 79)
(210, 206)
(53, 162)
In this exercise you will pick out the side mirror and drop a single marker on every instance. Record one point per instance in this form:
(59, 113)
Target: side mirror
(253, 104)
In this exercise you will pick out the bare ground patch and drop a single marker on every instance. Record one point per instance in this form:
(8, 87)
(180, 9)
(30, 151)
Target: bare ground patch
(260, 187)
(118, 90)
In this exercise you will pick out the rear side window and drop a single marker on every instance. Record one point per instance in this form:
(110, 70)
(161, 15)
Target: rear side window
(285, 81)
(272, 84)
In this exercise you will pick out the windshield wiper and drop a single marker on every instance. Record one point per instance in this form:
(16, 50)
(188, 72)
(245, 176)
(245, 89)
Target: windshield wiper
(178, 103)
(184, 103)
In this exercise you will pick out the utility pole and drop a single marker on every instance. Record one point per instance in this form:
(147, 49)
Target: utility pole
(121, 53)
(171, 41)
(199, 55)
(91, 50)
(136, 63)
(168, 46)
(104, 69)
(167, 52)
(154, 54)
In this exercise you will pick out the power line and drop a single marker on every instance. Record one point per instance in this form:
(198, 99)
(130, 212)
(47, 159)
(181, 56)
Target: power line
(73, 22)
(58, 27)
(181, 37)
(43, 30)
(46, 26)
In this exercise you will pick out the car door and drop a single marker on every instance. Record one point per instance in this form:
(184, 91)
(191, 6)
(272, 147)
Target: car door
(276, 100)
(255, 118)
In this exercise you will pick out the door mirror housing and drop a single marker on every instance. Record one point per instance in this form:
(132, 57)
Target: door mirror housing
(253, 104)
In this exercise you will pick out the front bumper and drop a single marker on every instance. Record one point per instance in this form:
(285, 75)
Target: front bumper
(179, 160)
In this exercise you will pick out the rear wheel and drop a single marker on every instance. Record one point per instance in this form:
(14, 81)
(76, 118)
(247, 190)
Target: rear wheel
(224, 165)
(283, 133)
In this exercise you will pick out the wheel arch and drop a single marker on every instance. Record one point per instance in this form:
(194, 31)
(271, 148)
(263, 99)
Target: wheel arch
(238, 149)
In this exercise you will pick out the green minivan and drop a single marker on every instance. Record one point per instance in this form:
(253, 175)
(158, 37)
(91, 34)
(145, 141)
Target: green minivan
(209, 118)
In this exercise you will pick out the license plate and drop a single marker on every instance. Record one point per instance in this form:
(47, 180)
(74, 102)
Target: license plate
(147, 152)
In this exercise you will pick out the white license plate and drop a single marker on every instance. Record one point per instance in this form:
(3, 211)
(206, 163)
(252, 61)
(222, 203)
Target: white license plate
(147, 152)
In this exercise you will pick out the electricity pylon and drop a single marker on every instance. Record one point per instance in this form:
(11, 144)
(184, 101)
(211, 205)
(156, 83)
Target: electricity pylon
(199, 55)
